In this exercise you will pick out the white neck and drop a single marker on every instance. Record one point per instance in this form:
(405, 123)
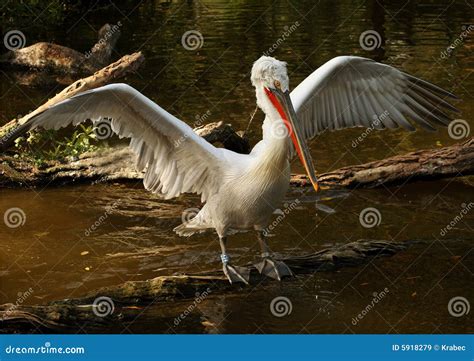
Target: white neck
(276, 145)
(266, 105)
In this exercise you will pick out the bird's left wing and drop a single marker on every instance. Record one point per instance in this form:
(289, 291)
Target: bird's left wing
(350, 91)
(176, 159)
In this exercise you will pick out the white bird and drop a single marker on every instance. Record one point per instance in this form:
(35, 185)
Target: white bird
(241, 191)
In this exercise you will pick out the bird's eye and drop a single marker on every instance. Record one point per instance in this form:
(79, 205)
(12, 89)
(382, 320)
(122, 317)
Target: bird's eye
(277, 84)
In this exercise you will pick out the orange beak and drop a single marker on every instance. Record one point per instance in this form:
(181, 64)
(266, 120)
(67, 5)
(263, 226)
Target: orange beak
(282, 102)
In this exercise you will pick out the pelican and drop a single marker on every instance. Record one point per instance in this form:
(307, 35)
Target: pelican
(241, 191)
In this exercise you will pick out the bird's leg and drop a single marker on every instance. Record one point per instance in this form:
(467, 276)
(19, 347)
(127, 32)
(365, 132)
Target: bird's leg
(233, 273)
(268, 266)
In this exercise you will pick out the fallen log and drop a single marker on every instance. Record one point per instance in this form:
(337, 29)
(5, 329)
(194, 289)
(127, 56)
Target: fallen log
(123, 299)
(125, 65)
(105, 165)
(429, 164)
(117, 164)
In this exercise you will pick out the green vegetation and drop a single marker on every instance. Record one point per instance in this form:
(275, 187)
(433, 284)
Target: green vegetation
(20, 12)
(43, 146)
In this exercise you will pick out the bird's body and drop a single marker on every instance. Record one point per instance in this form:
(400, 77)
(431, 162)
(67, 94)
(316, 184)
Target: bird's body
(241, 192)
(253, 186)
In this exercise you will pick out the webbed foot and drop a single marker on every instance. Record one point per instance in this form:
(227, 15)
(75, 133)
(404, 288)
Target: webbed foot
(273, 269)
(235, 274)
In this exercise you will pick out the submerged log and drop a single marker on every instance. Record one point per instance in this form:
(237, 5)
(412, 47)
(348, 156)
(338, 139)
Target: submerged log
(118, 164)
(122, 67)
(134, 295)
(60, 59)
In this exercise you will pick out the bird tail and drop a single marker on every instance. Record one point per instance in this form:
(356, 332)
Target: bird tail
(186, 230)
(195, 225)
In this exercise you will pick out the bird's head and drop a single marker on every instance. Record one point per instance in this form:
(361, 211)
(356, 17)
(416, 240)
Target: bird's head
(272, 86)
(269, 72)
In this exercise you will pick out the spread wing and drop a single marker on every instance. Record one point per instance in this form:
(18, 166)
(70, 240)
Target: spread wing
(176, 159)
(350, 91)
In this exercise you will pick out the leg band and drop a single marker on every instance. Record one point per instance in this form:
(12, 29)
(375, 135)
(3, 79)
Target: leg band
(225, 258)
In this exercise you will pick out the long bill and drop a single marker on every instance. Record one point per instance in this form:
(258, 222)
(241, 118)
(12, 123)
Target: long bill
(282, 102)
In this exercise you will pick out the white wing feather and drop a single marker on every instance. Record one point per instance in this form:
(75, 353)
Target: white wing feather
(176, 159)
(350, 91)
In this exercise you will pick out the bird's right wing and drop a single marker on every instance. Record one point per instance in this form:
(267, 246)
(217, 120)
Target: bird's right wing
(350, 91)
(176, 159)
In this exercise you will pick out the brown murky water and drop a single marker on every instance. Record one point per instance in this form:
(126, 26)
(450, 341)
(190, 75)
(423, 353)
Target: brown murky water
(59, 255)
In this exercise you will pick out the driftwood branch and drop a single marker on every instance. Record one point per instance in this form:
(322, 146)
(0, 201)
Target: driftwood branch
(117, 164)
(128, 298)
(454, 161)
(125, 65)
